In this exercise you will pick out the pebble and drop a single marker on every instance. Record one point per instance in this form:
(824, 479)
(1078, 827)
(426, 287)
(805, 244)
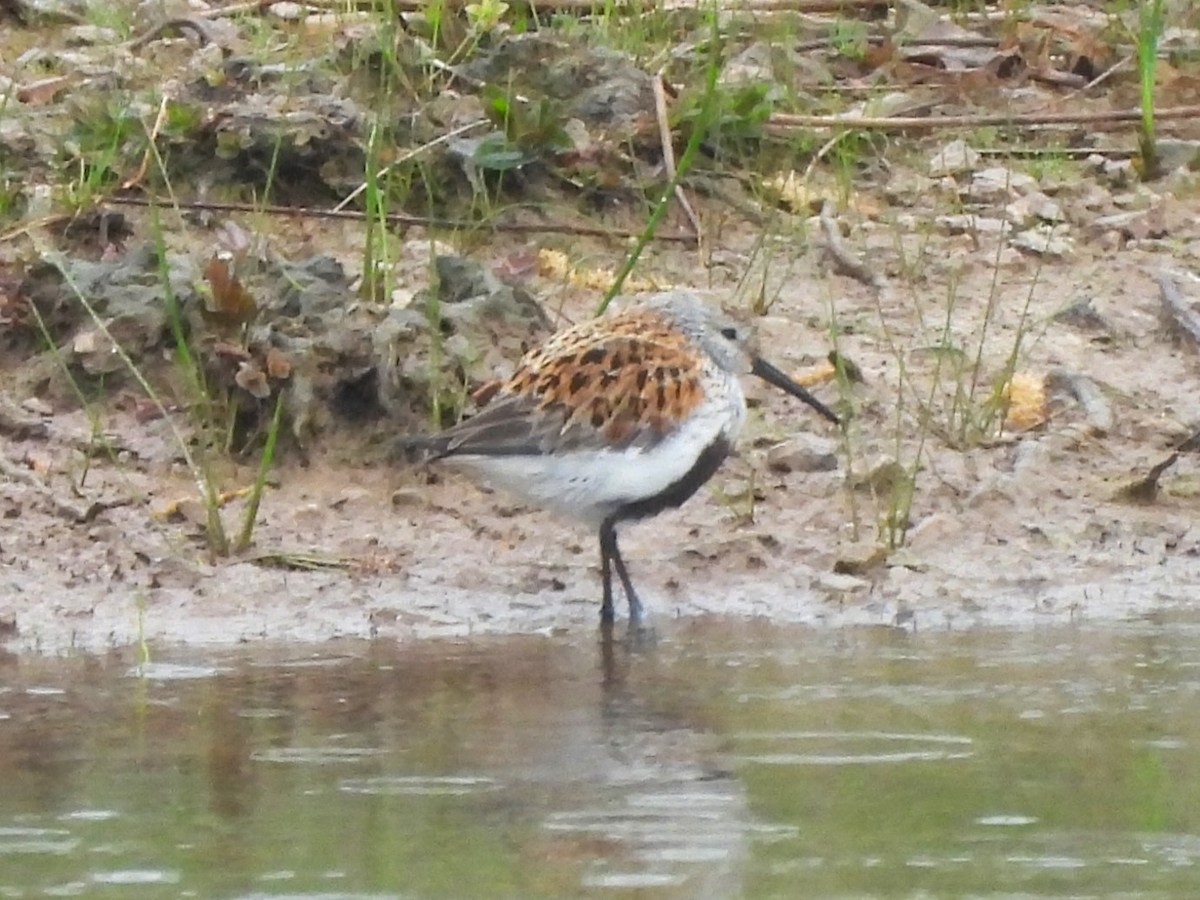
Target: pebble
(804, 453)
(952, 159)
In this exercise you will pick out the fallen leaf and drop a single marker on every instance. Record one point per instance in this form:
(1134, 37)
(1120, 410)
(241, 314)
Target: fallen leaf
(1025, 395)
(44, 90)
(252, 379)
(555, 264)
(229, 304)
(230, 351)
(483, 394)
(818, 374)
(278, 364)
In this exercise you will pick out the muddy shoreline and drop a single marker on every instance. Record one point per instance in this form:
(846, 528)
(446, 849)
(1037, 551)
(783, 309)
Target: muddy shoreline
(998, 289)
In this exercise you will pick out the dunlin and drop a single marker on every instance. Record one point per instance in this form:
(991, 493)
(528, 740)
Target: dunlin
(617, 418)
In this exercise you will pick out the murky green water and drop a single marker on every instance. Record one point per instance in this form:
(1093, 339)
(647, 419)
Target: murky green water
(732, 760)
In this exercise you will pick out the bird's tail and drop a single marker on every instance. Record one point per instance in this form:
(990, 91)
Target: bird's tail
(414, 450)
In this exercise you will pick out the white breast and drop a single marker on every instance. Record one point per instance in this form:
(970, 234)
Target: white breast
(590, 484)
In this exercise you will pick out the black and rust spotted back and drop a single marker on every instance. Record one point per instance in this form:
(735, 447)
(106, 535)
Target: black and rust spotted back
(628, 379)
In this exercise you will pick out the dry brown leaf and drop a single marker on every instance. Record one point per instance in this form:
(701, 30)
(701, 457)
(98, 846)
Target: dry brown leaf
(39, 464)
(818, 374)
(1025, 394)
(483, 394)
(230, 305)
(278, 364)
(44, 90)
(252, 379)
(555, 264)
(192, 508)
(230, 351)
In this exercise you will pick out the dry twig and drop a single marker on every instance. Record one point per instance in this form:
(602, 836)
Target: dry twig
(668, 152)
(416, 151)
(196, 25)
(400, 219)
(789, 121)
(1179, 311)
(842, 256)
(1087, 394)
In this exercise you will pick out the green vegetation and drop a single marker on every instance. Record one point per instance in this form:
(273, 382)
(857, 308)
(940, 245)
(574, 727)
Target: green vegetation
(1150, 29)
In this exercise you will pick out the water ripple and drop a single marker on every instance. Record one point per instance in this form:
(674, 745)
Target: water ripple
(36, 840)
(315, 756)
(394, 785)
(781, 756)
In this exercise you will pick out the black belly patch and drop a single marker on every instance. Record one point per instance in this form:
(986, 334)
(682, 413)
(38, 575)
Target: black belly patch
(676, 494)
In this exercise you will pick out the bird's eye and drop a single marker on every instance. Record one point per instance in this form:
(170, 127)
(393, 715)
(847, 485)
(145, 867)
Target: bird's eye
(729, 334)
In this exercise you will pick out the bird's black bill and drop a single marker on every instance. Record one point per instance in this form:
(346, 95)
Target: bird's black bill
(773, 376)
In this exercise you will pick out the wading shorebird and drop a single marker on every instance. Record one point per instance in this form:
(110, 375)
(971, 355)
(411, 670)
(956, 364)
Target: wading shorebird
(617, 419)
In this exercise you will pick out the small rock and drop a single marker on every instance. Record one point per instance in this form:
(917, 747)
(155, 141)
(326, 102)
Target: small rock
(1117, 221)
(998, 183)
(1091, 197)
(861, 561)
(882, 478)
(966, 223)
(908, 188)
(1118, 172)
(1081, 314)
(803, 453)
(288, 12)
(351, 495)
(1175, 153)
(836, 583)
(1032, 208)
(83, 35)
(751, 66)
(95, 352)
(37, 406)
(952, 159)
(1139, 199)
(1045, 240)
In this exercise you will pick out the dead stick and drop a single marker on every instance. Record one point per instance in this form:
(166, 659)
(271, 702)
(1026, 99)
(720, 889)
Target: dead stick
(1098, 80)
(416, 151)
(785, 121)
(668, 151)
(400, 219)
(842, 256)
(583, 6)
(1177, 308)
(800, 6)
(197, 26)
(631, 6)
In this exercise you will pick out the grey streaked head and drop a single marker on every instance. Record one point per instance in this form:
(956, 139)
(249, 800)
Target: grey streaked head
(730, 343)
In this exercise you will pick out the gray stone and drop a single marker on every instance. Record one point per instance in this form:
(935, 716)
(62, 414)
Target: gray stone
(953, 159)
(804, 453)
(1045, 240)
(966, 223)
(999, 183)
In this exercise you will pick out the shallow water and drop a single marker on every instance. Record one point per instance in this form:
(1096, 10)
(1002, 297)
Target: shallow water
(732, 759)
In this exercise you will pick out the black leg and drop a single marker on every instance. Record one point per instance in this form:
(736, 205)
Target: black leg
(608, 544)
(610, 553)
